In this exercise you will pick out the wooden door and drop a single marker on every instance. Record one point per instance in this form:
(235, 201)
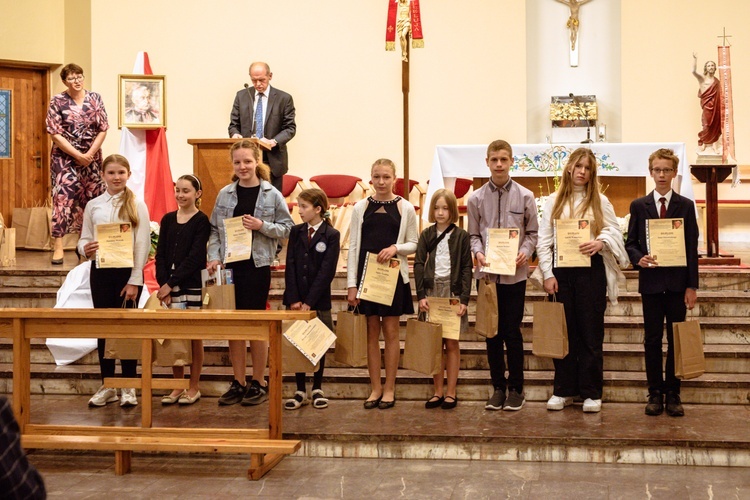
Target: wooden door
(24, 143)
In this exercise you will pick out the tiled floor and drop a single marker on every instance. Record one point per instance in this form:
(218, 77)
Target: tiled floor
(81, 476)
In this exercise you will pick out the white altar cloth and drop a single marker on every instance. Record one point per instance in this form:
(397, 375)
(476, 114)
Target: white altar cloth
(541, 160)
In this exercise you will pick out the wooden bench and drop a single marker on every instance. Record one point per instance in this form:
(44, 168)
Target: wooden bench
(265, 445)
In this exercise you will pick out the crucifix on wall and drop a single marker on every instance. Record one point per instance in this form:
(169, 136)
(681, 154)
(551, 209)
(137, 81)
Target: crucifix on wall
(572, 25)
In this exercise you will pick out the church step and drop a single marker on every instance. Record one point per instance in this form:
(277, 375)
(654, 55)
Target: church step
(353, 383)
(622, 357)
(709, 279)
(621, 435)
(710, 303)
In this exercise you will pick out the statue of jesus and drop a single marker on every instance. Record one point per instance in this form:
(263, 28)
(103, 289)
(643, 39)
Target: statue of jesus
(403, 26)
(709, 93)
(573, 23)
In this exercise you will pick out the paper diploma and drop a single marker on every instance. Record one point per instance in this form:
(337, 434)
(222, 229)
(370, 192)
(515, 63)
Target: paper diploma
(115, 245)
(665, 241)
(239, 240)
(501, 251)
(569, 235)
(379, 280)
(312, 338)
(445, 312)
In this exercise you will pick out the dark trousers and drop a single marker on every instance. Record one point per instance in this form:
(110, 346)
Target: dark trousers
(583, 292)
(300, 377)
(106, 285)
(510, 300)
(656, 308)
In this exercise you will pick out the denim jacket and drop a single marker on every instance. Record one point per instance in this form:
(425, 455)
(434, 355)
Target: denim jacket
(271, 208)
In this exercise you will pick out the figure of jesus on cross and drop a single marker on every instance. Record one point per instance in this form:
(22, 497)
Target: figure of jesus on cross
(573, 22)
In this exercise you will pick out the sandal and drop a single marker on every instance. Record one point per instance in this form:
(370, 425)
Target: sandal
(297, 402)
(319, 399)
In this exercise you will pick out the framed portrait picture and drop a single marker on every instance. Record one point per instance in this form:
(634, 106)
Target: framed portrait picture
(142, 101)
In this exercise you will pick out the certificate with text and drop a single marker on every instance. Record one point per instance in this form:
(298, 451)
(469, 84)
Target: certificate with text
(379, 281)
(445, 312)
(115, 245)
(239, 240)
(665, 241)
(569, 235)
(312, 338)
(501, 251)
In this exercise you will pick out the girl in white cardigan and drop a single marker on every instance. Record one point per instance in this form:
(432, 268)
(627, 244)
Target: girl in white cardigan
(384, 224)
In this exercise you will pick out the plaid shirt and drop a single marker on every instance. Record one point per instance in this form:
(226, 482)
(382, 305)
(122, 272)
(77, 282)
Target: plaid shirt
(18, 478)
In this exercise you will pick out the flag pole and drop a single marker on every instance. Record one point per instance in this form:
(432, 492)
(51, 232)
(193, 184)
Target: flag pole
(405, 92)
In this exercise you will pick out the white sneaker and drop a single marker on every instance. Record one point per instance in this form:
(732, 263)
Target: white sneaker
(557, 403)
(127, 397)
(592, 405)
(103, 396)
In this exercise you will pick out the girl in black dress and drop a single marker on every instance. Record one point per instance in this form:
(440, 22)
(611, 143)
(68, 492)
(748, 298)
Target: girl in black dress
(180, 257)
(384, 224)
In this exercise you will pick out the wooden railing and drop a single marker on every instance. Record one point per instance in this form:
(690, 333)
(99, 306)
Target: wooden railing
(265, 445)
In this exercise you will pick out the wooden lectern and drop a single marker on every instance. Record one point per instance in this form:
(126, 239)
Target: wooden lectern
(213, 166)
(711, 175)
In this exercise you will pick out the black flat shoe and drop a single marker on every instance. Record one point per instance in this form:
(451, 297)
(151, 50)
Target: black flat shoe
(434, 402)
(449, 405)
(373, 403)
(384, 405)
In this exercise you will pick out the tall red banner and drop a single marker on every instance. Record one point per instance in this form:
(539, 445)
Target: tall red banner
(727, 108)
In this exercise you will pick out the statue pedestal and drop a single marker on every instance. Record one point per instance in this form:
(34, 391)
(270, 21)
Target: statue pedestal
(711, 175)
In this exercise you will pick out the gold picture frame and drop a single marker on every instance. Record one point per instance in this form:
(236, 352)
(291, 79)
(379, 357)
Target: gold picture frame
(142, 101)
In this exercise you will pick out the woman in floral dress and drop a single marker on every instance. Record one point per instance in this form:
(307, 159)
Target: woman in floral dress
(77, 122)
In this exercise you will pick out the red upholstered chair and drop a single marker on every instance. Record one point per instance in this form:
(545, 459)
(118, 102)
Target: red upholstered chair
(339, 187)
(289, 185)
(398, 189)
(461, 190)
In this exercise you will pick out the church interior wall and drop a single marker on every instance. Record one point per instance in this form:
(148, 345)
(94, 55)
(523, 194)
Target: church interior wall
(487, 71)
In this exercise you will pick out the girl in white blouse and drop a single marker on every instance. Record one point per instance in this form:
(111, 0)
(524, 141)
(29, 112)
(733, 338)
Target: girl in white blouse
(116, 287)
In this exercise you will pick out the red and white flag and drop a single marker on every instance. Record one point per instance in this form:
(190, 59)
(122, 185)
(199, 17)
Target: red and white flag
(147, 152)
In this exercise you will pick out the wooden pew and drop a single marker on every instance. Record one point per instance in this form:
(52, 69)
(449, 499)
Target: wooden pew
(265, 446)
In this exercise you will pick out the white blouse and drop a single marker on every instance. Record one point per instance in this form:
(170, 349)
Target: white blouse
(104, 210)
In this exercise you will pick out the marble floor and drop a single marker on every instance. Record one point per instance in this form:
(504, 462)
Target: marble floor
(82, 476)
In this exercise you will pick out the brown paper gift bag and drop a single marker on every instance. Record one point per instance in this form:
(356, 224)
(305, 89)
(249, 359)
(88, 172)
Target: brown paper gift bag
(70, 241)
(689, 361)
(169, 352)
(7, 246)
(293, 361)
(39, 232)
(124, 348)
(351, 339)
(486, 324)
(218, 297)
(423, 350)
(550, 331)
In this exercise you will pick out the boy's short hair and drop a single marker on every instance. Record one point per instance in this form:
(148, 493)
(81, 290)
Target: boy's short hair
(663, 154)
(450, 200)
(499, 145)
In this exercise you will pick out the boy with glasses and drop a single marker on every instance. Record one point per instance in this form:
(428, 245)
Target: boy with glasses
(666, 292)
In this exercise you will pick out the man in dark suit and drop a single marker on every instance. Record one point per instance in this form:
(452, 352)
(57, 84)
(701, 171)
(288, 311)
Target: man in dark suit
(666, 292)
(273, 123)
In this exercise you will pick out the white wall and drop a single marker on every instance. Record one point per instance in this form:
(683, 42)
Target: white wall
(331, 57)
(548, 71)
